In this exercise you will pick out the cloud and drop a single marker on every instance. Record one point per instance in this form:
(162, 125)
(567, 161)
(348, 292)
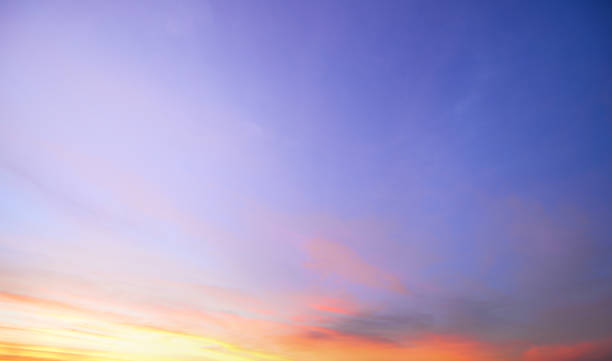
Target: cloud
(599, 350)
(25, 352)
(333, 345)
(334, 305)
(19, 301)
(388, 327)
(334, 258)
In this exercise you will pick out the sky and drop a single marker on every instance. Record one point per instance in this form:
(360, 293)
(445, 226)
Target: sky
(305, 180)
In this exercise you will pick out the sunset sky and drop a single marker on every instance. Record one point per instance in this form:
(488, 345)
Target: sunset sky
(268, 180)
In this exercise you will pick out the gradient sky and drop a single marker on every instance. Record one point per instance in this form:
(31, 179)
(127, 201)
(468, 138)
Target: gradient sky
(305, 181)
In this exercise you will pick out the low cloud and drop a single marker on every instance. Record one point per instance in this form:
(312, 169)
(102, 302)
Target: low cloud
(389, 327)
(599, 350)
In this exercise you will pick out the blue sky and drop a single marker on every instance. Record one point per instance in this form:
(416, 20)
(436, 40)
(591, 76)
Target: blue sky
(419, 180)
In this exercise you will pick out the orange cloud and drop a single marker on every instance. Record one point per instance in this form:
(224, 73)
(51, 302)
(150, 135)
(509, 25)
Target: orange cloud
(598, 350)
(330, 345)
(336, 258)
(27, 352)
(334, 305)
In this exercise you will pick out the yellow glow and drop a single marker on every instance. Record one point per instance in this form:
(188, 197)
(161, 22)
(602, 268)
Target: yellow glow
(59, 332)
(64, 334)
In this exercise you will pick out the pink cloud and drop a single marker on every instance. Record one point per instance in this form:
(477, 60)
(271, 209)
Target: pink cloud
(335, 305)
(338, 259)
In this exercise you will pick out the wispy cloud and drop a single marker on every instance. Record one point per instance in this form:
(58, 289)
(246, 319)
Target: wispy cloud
(336, 259)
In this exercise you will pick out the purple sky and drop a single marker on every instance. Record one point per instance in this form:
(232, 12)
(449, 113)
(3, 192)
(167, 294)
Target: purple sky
(315, 180)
